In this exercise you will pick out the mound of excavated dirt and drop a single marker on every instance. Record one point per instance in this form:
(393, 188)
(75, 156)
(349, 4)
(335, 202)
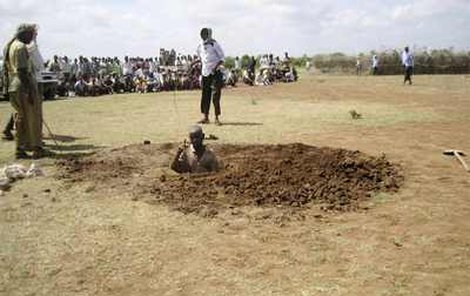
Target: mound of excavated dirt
(293, 175)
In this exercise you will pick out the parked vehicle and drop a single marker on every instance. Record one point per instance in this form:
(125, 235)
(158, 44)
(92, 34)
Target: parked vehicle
(47, 82)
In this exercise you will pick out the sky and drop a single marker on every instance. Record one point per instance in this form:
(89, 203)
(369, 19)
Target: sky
(142, 27)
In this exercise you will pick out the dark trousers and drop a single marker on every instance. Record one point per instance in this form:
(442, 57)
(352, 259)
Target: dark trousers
(408, 73)
(10, 125)
(211, 89)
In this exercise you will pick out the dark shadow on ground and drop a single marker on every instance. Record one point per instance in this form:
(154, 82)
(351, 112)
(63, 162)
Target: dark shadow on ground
(242, 123)
(62, 138)
(78, 147)
(211, 137)
(71, 155)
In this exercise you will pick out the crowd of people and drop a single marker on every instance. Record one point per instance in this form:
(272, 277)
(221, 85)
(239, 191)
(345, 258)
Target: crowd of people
(93, 76)
(105, 75)
(270, 70)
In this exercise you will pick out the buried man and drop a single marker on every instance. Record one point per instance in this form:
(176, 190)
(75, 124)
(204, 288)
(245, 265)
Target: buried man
(195, 157)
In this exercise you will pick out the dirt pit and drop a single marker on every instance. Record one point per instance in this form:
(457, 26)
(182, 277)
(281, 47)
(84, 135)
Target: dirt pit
(295, 176)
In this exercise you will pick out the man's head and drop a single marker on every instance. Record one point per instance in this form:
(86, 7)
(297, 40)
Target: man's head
(206, 34)
(26, 32)
(406, 48)
(196, 136)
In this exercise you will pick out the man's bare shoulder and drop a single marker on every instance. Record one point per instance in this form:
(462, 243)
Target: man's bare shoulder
(209, 153)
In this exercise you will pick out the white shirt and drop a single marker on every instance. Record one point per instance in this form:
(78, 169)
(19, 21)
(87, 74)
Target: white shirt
(264, 63)
(127, 68)
(210, 54)
(375, 62)
(66, 67)
(237, 64)
(36, 58)
(407, 59)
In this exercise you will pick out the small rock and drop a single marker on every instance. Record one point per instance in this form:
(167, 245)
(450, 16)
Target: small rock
(25, 195)
(90, 188)
(47, 190)
(4, 184)
(397, 242)
(147, 142)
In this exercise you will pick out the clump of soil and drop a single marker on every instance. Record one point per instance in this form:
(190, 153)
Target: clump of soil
(293, 175)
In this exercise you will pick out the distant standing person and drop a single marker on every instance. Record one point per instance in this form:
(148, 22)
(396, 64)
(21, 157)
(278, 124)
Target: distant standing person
(375, 64)
(408, 63)
(237, 67)
(358, 67)
(212, 59)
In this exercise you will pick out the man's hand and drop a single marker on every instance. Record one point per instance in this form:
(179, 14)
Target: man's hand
(182, 148)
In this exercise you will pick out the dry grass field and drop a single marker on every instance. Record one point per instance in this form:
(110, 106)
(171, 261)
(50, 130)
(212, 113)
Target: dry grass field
(63, 238)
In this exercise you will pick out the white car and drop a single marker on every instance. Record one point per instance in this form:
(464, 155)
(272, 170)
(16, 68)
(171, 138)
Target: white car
(48, 81)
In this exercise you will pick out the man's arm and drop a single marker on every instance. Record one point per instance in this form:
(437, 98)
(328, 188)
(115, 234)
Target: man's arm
(180, 162)
(220, 53)
(23, 75)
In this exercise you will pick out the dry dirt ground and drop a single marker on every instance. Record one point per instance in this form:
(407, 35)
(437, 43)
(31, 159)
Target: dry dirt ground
(311, 201)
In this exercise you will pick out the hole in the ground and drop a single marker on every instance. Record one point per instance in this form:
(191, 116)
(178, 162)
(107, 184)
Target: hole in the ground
(293, 175)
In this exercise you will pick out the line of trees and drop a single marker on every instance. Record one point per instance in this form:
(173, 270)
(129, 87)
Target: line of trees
(437, 61)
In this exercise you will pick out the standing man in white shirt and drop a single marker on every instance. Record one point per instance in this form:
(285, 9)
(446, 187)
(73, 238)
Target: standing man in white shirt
(212, 59)
(408, 63)
(375, 65)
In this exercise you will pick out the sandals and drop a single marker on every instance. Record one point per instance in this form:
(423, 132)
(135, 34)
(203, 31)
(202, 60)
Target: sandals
(204, 121)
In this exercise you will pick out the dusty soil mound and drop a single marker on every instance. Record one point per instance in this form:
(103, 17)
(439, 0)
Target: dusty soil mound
(293, 175)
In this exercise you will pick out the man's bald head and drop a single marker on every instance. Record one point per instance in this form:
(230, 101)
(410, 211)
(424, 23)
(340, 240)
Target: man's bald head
(196, 136)
(195, 131)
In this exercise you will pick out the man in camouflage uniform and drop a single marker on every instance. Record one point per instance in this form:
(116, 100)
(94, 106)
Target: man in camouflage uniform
(23, 93)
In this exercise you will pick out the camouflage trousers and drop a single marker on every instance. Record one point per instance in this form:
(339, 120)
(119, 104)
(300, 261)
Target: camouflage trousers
(28, 120)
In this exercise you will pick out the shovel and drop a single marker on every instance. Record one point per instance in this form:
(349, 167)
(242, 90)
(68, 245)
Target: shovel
(458, 154)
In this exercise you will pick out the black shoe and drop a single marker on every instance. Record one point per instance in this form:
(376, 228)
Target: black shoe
(217, 122)
(41, 152)
(21, 154)
(7, 136)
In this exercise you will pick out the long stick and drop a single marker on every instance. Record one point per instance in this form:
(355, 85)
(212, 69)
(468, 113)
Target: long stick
(465, 166)
(50, 133)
